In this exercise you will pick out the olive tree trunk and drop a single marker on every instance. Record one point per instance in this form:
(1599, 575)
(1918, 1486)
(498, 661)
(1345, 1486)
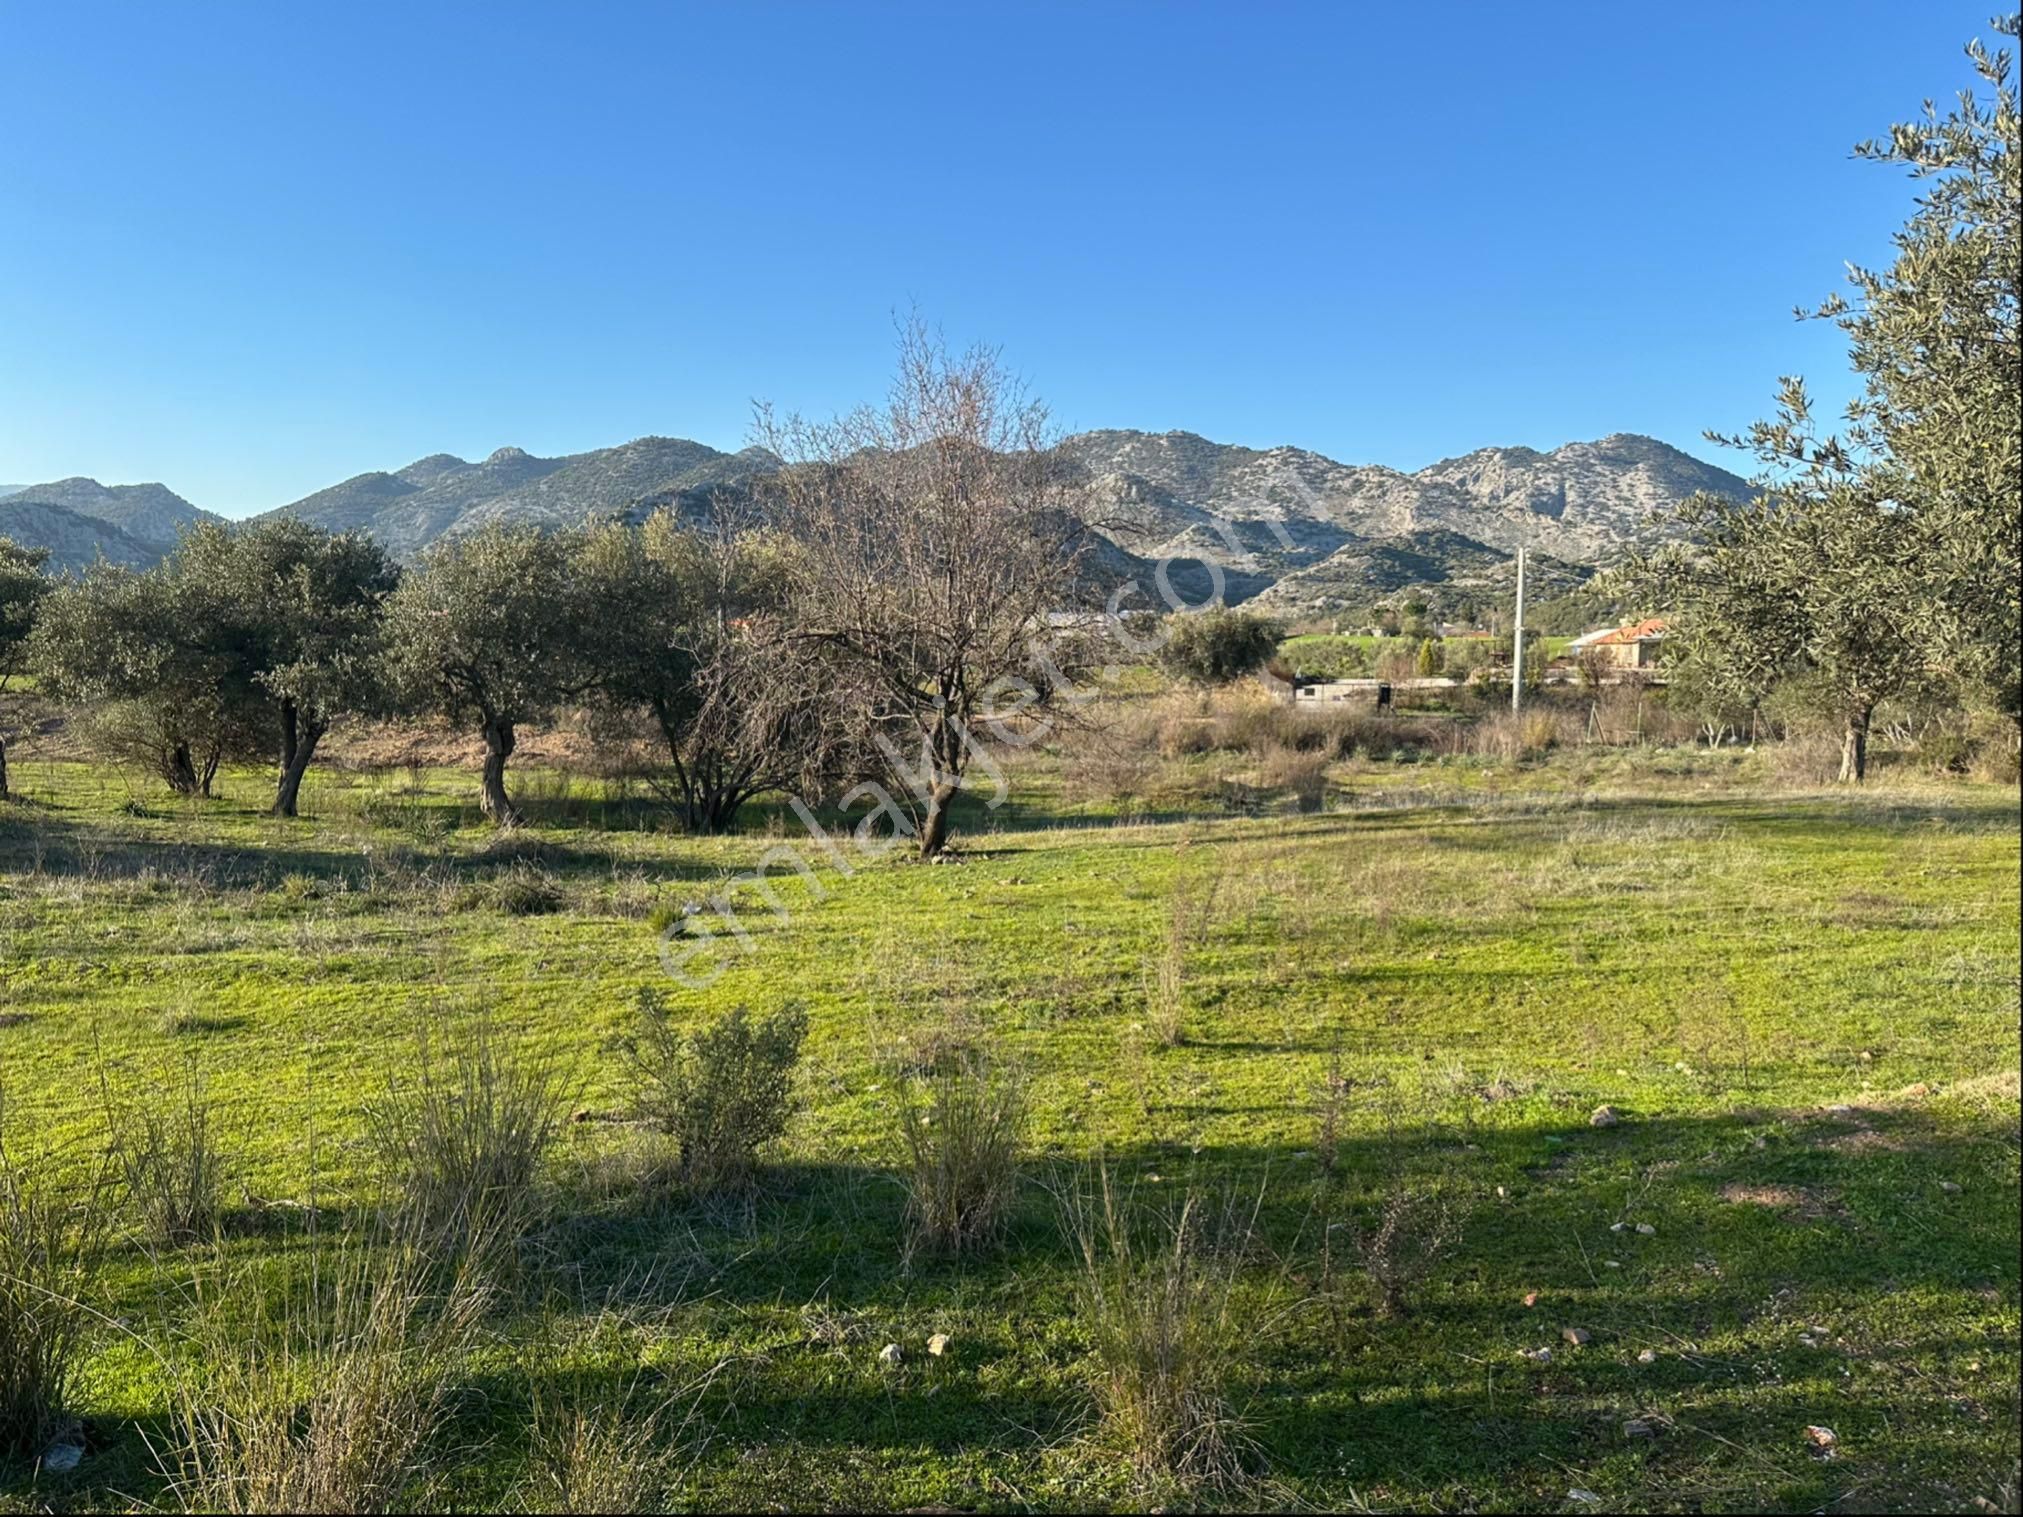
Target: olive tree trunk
(1854, 746)
(299, 736)
(492, 797)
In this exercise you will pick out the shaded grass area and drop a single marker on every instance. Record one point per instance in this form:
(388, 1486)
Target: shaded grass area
(1805, 1006)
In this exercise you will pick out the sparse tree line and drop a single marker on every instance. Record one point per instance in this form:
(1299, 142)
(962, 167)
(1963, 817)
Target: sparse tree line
(851, 632)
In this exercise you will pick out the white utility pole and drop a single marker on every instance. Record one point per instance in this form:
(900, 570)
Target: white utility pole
(1517, 642)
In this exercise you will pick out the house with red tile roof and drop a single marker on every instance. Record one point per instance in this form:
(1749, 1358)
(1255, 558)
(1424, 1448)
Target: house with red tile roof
(1635, 645)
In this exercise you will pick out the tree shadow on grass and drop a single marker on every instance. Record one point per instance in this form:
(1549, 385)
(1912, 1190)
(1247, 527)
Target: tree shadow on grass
(1892, 1225)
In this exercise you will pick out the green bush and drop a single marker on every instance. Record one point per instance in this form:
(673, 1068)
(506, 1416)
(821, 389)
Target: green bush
(1216, 646)
(721, 1093)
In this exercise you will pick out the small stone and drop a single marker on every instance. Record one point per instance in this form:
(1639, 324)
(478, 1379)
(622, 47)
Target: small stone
(1587, 1498)
(1604, 1116)
(1538, 1355)
(1637, 1427)
(938, 1344)
(1576, 1335)
(1612, 1264)
(1500, 1191)
(62, 1458)
(1648, 1356)
(1950, 1187)
(890, 1355)
(1647, 1230)
(1531, 1298)
(1821, 1438)
(1867, 1057)
(1616, 1227)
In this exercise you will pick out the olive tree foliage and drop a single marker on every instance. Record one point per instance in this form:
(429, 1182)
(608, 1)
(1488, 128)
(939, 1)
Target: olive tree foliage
(1812, 582)
(1935, 337)
(238, 641)
(691, 629)
(159, 656)
(1880, 562)
(933, 535)
(490, 631)
(22, 587)
(1216, 646)
(301, 618)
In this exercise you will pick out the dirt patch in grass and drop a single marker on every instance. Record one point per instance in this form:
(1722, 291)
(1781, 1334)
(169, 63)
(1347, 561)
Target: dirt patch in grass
(1795, 1201)
(1865, 1140)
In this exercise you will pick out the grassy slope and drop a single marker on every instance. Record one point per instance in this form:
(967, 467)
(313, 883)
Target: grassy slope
(1805, 1004)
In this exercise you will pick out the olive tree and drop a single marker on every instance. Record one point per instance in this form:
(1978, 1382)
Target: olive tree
(161, 658)
(1216, 646)
(933, 536)
(490, 632)
(22, 588)
(691, 630)
(301, 609)
(1935, 338)
(1815, 580)
(1882, 561)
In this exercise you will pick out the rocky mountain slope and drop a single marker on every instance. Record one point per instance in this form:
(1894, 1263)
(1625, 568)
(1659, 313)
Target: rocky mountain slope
(143, 520)
(1297, 531)
(75, 541)
(1303, 534)
(443, 496)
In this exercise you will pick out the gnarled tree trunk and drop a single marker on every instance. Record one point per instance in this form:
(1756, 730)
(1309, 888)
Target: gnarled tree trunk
(299, 736)
(5, 794)
(180, 770)
(1854, 746)
(934, 826)
(492, 797)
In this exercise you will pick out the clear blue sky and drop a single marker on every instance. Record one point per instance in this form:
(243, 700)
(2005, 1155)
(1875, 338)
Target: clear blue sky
(251, 251)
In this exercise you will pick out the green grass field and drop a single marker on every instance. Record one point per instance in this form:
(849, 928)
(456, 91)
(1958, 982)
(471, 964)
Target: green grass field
(1803, 1003)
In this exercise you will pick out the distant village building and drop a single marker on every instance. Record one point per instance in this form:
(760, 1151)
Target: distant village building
(1633, 646)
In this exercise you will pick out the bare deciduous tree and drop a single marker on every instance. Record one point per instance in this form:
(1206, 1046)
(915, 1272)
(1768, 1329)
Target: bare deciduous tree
(934, 536)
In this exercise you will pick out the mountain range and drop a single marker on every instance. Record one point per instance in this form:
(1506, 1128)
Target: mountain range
(1299, 533)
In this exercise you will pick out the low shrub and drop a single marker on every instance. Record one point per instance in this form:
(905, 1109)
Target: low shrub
(163, 1147)
(722, 1093)
(51, 1229)
(519, 889)
(1165, 1332)
(461, 1138)
(961, 1129)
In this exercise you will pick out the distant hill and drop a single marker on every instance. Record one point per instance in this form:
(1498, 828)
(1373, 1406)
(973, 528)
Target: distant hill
(75, 541)
(1297, 531)
(1304, 534)
(144, 519)
(443, 496)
